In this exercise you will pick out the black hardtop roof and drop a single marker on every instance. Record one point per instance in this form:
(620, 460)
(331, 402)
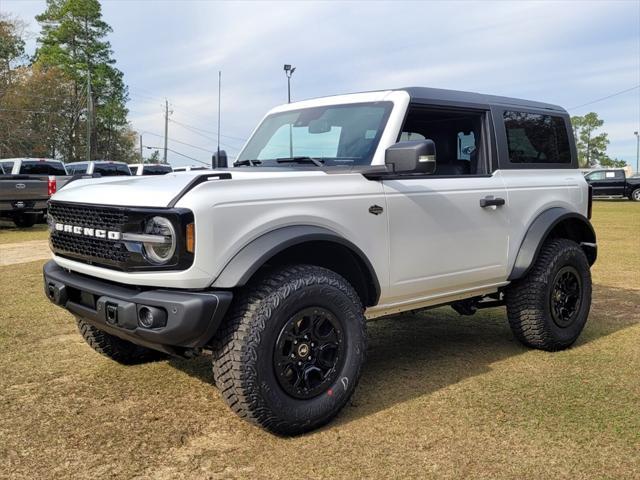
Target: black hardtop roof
(426, 95)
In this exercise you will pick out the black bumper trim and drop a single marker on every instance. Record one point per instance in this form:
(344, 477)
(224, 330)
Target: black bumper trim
(192, 317)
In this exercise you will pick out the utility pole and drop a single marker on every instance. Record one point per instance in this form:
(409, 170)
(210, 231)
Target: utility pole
(219, 91)
(637, 134)
(166, 127)
(89, 115)
(141, 158)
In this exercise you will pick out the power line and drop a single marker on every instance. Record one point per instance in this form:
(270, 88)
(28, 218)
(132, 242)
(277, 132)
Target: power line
(177, 153)
(208, 131)
(232, 147)
(605, 98)
(208, 150)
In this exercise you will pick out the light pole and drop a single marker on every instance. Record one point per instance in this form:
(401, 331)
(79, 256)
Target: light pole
(637, 134)
(288, 71)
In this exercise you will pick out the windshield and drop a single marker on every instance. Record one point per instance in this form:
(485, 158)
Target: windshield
(333, 135)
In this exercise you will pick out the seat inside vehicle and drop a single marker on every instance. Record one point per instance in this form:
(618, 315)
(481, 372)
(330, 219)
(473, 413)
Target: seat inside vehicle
(457, 135)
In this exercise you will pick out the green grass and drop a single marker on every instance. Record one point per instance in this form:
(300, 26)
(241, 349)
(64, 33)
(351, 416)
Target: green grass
(9, 233)
(442, 396)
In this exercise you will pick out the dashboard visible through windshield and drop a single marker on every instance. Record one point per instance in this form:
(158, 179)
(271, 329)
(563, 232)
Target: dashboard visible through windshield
(328, 135)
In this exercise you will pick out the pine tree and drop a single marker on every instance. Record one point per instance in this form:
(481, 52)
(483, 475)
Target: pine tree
(73, 39)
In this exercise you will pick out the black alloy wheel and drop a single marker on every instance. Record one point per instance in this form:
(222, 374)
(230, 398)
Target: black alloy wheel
(309, 352)
(565, 296)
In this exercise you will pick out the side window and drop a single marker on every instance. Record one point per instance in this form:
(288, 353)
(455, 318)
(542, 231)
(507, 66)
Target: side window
(457, 134)
(536, 138)
(619, 174)
(610, 175)
(596, 176)
(134, 170)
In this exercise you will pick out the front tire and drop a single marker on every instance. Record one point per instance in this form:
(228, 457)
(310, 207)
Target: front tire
(635, 195)
(548, 308)
(289, 355)
(115, 348)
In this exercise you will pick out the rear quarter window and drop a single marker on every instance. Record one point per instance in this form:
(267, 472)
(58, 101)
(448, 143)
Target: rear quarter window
(534, 138)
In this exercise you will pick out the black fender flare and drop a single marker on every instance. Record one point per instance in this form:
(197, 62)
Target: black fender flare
(255, 254)
(540, 229)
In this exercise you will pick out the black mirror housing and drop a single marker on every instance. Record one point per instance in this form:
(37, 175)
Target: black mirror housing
(219, 160)
(415, 156)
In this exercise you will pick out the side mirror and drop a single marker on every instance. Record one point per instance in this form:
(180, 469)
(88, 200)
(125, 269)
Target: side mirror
(219, 160)
(415, 156)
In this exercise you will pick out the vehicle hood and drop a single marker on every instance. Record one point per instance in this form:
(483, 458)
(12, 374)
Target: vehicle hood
(158, 190)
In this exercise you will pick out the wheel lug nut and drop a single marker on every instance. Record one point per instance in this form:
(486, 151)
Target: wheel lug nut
(299, 363)
(295, 342)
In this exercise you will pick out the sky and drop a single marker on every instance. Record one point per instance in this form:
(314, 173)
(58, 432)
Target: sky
(569, 53)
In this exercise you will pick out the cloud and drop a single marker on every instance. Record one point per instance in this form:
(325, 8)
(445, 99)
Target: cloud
(566, 53)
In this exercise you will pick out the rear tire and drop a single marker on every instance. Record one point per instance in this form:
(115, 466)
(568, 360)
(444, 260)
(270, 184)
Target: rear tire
(115, 348)
(548, 308)
(25, 220)
(635, 195)
(290, 352)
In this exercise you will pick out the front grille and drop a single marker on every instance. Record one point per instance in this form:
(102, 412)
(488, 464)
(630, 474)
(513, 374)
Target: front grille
(91, 249)
(89, 216)
(125, 255)
(86, 247)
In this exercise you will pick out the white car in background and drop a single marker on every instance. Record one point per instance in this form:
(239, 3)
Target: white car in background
(104, 168)
(150, 168)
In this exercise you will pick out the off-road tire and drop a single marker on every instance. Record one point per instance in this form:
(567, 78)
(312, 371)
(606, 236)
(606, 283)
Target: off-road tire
(115, 348)
(25, 220)
(529, 299)
(635, 195)
(244, 351)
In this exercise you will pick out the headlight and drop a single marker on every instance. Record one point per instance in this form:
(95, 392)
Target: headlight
(160, 250)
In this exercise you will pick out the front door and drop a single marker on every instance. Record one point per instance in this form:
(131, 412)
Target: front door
(441, 239)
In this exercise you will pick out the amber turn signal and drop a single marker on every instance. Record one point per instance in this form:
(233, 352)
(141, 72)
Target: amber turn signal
(191, 238)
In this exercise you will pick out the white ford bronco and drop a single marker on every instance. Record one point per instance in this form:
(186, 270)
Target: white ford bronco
(337, 210)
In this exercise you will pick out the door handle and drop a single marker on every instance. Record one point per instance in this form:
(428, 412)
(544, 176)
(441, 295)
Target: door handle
(491, 201)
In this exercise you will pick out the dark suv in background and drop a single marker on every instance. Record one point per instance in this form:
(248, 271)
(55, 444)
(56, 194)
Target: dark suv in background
(614, 183)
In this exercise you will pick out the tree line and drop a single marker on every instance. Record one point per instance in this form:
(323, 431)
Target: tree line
(47, 101)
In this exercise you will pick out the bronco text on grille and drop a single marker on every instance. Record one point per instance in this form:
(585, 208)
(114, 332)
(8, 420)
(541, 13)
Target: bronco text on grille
(87, 232)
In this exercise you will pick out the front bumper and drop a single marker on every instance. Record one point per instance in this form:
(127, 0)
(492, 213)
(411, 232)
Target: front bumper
(192, 318)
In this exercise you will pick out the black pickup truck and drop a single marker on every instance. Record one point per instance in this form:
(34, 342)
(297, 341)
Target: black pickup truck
(614, 183)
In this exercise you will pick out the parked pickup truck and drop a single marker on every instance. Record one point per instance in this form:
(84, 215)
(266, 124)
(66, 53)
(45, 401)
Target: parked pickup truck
(23, 198)
(337, 210)
(614, 183)
(26, 186)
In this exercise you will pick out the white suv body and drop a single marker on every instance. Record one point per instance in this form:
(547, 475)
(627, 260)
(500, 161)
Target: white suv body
(506, 181)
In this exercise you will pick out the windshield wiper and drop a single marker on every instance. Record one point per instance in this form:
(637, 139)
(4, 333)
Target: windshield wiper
(316, 161)
(248, 162)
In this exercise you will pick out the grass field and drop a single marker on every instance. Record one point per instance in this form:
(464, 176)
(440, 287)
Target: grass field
(442, 396)
(9, 233)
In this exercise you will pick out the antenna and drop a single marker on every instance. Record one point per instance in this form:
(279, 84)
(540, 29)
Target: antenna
(219, 90)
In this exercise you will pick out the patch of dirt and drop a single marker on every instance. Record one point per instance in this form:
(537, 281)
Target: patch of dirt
(23, 252)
